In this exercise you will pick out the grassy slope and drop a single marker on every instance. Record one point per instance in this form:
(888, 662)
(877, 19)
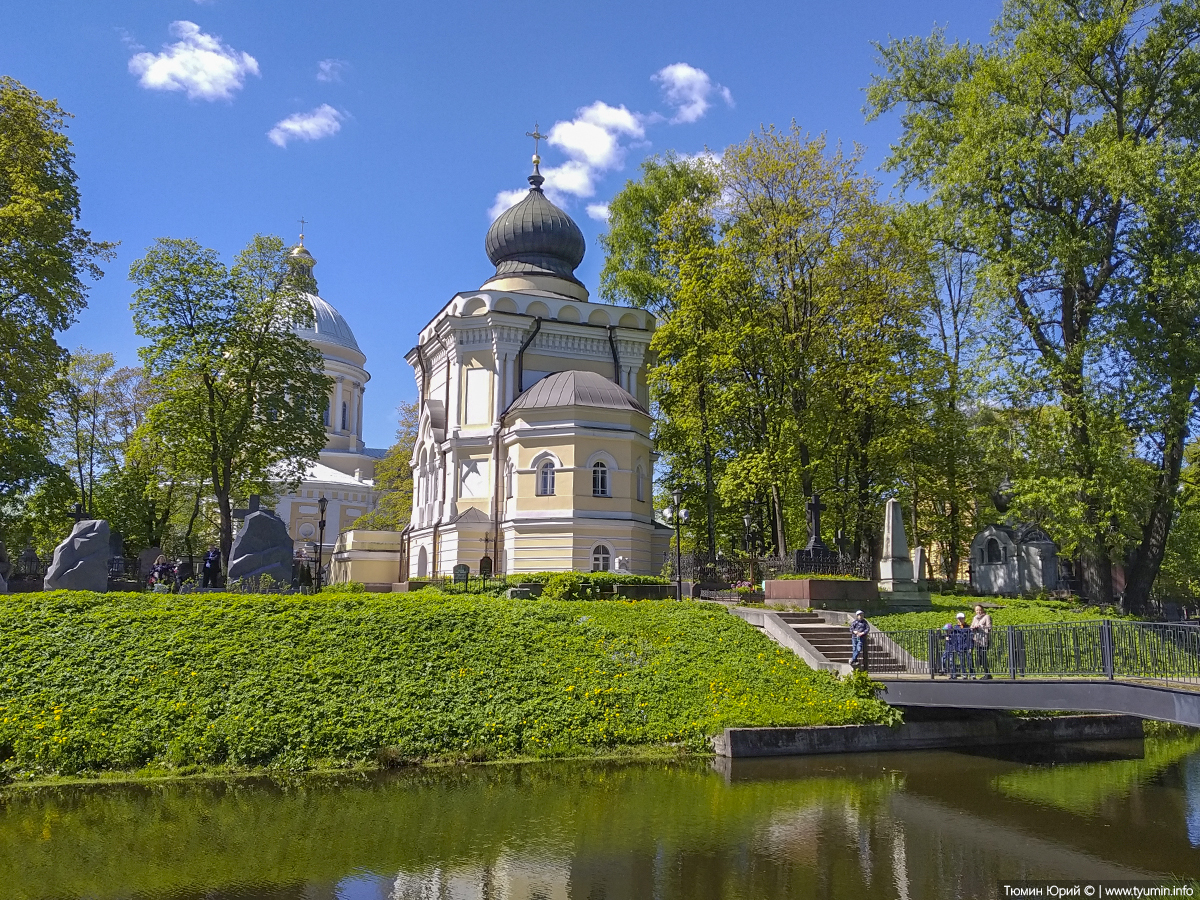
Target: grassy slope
(123, 681)
(1007, 611)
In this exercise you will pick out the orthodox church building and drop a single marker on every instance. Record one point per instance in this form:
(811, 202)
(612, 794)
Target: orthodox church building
(345, 471)
(534, 450)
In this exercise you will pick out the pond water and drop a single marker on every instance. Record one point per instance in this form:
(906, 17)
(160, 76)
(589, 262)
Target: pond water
(907, 826)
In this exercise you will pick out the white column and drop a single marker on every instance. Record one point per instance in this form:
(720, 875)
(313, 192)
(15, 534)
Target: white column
(510, 384)
(453, 413)
(362, 391)
(497, 389)
(336, 419)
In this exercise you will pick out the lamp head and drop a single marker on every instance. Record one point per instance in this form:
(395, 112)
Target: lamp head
(746, 520)
(683, 515)
(321, 504)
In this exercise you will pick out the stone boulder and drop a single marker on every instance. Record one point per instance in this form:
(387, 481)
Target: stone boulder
(81, 561)
(262, 547)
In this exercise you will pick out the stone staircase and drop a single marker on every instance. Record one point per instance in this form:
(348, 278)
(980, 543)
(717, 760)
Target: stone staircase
(833, 642)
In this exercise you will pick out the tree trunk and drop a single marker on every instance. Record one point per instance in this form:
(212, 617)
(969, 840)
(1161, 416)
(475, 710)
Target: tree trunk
(781, 548)
(708, 476)
(1148, 557)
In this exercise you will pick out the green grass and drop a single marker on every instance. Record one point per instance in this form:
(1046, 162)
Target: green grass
(93, 683)
(1006, 611)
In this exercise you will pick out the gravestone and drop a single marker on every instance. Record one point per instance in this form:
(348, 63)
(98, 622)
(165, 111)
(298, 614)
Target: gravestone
(462, 572)
(146, 560)
(815, 548)
(485, 567)
(5, 563)
(81, 561)
(116, 545)
(918, 558)
(30, 564)
(262, 547)
(897, 585)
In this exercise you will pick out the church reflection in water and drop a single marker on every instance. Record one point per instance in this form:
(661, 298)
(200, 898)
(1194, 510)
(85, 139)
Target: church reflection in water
(906, 826)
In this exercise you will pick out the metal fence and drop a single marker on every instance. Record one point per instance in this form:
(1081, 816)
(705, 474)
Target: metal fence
(705, 569)
(1151, 651)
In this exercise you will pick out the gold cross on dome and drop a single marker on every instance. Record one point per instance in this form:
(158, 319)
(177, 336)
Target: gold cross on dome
(303, 222)
(537, 136)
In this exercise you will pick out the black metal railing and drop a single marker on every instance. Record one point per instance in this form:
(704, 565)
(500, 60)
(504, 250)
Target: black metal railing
(730, 570)
(1150, 651)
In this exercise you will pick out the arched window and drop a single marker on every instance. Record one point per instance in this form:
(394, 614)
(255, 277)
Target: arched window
(600, 480)
(641, 484)
(601, 558)
(509, 479)
(345, 415)
(422, 563)
(993, 550)
(545, 486)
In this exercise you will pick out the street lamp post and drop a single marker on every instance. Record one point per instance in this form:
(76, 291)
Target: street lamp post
(680, 516)
(321, 504)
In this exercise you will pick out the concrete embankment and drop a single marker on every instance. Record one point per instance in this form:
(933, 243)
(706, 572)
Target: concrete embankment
(946, 734)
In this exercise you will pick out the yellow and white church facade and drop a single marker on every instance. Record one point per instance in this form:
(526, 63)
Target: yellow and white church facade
(534, 449)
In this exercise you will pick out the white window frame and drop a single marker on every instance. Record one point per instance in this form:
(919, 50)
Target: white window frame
(545, 478)
(601, 483)
(602, 558)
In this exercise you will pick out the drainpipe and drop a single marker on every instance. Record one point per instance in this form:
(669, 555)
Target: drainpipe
(616, 359)
(537, 326)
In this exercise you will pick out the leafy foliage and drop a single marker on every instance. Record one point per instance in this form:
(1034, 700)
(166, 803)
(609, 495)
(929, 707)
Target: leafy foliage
(44, 259)
(119, 681)
(394, 477)
(242, 395)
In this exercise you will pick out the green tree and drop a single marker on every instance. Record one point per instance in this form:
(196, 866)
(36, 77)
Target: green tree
(44, 260)
(242, 395)
(84, 438)
(394, 478)
(1052, 140)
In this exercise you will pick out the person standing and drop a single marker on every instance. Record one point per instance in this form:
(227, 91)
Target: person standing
(211, 568)
(859, 629)
(162, 575)
(981, 635)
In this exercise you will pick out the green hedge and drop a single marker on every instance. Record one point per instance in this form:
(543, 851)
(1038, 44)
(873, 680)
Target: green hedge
(1004, 611)
(124, 681)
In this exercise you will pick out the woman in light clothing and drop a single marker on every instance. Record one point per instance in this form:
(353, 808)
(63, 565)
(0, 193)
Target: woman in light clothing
(981, 632)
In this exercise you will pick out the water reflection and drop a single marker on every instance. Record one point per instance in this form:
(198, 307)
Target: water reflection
(904, 826)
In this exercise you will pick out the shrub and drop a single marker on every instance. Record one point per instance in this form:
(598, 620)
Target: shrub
(565, 586)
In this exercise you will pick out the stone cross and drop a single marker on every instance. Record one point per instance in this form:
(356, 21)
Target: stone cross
(78, 515)
(253, 507)
(842, 542)
(815, 507)
(815, 547)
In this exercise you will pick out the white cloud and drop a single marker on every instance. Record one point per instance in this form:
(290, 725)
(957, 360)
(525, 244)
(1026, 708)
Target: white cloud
(322, 122)
(197, 63)
(503, 201)
(331, 69)
(688, 89)
(598, 211)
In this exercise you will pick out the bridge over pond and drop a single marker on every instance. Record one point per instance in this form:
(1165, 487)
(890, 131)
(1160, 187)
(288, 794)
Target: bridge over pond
(1145, 669)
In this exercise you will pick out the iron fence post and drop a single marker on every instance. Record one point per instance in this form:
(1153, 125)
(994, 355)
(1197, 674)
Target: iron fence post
(932, 653)
(1106, 649)
(1012, 652)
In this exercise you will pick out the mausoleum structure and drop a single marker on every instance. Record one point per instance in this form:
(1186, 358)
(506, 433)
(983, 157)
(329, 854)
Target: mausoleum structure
(533, 451)
(1013, 560)
(345, 472)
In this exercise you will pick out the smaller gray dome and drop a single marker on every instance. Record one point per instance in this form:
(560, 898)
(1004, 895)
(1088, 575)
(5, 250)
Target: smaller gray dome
(535, 237)
(328, 326)
(577, 388)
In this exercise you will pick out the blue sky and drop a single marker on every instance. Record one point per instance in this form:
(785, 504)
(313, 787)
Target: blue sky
(394, 128)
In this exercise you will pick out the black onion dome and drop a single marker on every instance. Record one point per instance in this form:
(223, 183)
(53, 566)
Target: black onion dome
(535, 237)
